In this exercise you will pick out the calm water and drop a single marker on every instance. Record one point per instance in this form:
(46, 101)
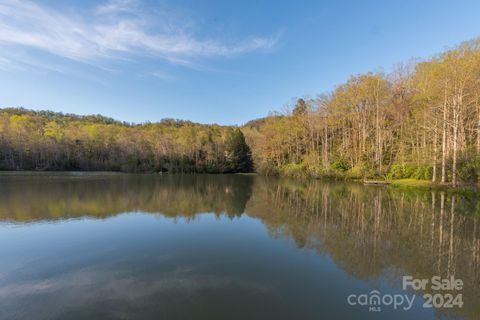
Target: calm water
(84, 246)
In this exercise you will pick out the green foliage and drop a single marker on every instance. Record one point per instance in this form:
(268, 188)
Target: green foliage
(340, 166)
(293, 170)
(362, 170)
(364, 128)
(313, 165)
(268, 169)
(31, 140)
(408, 183)
(368, 125)
(406, 171)
(469, 169)
(239, 157)
(423, 173)
(395, 172)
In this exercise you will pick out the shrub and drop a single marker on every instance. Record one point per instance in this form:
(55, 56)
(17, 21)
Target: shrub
(422, 173)
(419, 172)
(313, 166)
(395, 172)
(469, 170)
(293, 170)
(340, 166)
(268, 169)
(362, 170)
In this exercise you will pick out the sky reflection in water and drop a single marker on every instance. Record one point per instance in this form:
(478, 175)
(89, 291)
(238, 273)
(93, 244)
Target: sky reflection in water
(216, 247)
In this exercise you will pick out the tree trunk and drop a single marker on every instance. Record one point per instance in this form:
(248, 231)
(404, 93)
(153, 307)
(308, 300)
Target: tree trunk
(378, 157)
(325, 147)
(455, 141)
(477, 106)
(435, 147)
(444, 136)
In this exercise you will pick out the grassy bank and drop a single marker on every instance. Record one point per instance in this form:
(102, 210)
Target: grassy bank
(298, 172)
(414, 183)
(471, 189)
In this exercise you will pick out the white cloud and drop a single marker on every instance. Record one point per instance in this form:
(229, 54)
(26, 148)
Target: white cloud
(116, 29)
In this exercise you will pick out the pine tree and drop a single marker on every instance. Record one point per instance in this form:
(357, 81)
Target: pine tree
(238, 152)
(300, 108)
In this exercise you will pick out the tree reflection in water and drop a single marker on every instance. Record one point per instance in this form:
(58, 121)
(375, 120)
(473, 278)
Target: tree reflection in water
(370, 232)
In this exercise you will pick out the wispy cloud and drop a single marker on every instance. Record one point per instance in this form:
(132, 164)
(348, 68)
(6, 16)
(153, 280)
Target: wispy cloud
(5, 63)
(161, 75)
(116, 6)
(75, 289)
(117, 29)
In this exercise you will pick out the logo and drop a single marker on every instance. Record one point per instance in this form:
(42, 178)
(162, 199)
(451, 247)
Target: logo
(445, 295)
(375, 300)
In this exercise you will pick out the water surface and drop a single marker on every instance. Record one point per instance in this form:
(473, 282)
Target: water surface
(113, 246)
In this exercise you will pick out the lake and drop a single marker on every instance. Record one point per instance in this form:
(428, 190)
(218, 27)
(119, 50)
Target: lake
(118, 246)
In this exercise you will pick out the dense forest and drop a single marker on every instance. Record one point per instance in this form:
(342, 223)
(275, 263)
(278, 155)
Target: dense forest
(422, 121)
(54, 141)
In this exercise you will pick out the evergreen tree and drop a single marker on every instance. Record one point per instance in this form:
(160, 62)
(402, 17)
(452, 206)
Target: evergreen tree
(300, 108)
(239, 157)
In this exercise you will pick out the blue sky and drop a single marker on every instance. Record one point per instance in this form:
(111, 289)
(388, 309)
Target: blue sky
(210, 61)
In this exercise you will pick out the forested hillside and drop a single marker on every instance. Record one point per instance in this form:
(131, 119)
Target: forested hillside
(54, 141)
(420, 121)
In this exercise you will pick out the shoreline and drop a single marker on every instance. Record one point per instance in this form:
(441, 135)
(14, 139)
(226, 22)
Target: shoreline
(397, 183)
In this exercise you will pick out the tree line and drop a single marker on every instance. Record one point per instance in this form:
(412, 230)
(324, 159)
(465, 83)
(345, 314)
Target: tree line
(43, 140)
(420, 121)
